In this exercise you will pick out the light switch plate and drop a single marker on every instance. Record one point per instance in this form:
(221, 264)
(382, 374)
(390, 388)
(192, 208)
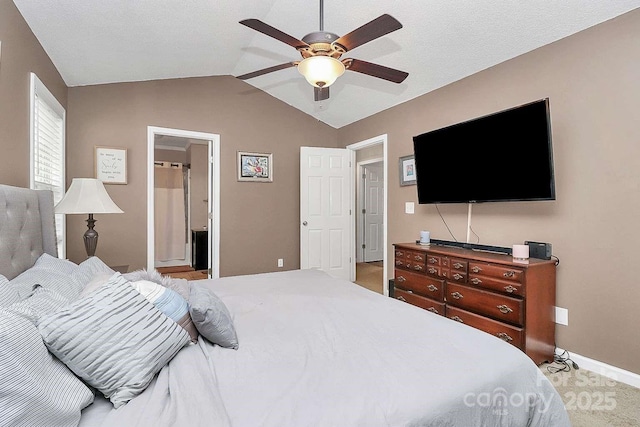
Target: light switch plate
(409, 207)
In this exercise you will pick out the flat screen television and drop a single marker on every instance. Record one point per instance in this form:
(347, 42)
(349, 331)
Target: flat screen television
(502, 157)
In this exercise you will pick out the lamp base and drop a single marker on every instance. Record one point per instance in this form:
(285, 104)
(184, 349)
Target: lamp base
(90, 237)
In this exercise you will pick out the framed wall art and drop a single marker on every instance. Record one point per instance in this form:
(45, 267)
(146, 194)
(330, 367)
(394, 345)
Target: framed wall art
(111, 165)
(255, 167)
(407, 170)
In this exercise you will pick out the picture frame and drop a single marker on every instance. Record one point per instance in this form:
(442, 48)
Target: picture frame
(111, 165)
(407, 167)
(255, 167)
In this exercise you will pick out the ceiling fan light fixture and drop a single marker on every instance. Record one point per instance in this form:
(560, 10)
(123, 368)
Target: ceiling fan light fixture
(321, 71)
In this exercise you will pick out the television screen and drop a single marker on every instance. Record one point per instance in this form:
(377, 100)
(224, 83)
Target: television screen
(505, 156)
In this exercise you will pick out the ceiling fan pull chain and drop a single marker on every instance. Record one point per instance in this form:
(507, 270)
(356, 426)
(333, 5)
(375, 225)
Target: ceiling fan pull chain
(321, 15)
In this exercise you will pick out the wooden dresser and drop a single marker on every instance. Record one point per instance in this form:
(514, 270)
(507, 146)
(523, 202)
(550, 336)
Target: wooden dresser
(509, 299)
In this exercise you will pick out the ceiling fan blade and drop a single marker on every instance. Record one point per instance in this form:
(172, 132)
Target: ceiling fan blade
(266, 70)
(375, 70)
(380, 26)
(320, 93)
(260, 26)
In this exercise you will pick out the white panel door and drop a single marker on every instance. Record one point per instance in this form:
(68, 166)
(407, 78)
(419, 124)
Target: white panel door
(326, 204)
(374, 212)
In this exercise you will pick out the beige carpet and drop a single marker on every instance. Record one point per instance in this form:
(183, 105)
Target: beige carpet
(369, 275)
(593, 400)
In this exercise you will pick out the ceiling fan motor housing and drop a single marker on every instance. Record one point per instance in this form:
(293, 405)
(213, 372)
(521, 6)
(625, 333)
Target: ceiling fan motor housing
(321, 43)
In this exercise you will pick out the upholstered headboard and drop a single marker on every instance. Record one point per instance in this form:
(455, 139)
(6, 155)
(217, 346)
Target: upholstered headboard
(27, 228)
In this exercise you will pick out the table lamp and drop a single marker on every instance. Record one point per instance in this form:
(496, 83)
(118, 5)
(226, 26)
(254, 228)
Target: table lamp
(87, 196)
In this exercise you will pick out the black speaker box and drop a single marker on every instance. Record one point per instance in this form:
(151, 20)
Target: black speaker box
(539, 250)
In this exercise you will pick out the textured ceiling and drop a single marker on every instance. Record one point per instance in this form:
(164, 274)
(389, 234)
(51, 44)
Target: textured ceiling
(97, 41)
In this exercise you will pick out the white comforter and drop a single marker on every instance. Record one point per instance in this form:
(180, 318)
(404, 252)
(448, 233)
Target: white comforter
(317, 351)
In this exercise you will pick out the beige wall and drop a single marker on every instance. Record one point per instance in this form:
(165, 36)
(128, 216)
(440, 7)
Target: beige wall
(176, 156)
(592, 81)
(21, 55)
(259, 221)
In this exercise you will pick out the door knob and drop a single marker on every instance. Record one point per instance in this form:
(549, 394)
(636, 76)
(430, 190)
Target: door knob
(305, 223)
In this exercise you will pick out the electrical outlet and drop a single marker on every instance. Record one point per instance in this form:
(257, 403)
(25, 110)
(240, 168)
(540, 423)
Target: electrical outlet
(280, 262)
(562, 316)
(409, 207)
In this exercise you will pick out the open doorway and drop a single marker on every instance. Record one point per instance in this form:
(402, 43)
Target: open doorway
(183, 195)
(371, 211)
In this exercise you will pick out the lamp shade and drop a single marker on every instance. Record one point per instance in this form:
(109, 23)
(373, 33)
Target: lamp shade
(86, 196)
(321, 71)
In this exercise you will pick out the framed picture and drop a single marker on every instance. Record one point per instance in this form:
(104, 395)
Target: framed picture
(407, 170)
(111, 165)
(255, 167)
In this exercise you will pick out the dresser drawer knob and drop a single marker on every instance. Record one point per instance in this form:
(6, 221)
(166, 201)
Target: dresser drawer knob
(458, 276)
(432, 288)
(417, 267)
(401, 279)
(457, 319)
(432, 270)
(456, 295)
(418, 258)
(458, 265)
(399, 253)
(504, 336)
(476, 269)
(504, 309)
(509, 273)
(475, 281)
(433, 310)
(401, 298)
(510, 289)
(433, 260)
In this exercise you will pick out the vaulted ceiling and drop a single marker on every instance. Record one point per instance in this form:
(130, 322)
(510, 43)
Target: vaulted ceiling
(97, 41)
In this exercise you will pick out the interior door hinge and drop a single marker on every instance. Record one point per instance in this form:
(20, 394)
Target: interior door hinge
(364, 246)
(364, 176)
(364, 211)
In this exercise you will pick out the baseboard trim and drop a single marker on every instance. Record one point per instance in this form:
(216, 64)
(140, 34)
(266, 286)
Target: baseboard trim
(609, 371)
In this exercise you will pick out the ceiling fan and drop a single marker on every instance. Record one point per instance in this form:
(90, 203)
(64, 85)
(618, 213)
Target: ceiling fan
(321, 52)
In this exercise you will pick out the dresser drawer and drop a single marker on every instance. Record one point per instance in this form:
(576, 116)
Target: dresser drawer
(511, 334)
(419, 301)
(506, 286)
(496, 271)
(410, 260)
(499, 307)
(420, 284)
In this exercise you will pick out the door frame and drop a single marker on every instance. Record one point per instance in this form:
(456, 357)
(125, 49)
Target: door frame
(380, 139)
(213, 190)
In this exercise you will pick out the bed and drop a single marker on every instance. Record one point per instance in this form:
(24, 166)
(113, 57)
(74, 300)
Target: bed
(301, 349)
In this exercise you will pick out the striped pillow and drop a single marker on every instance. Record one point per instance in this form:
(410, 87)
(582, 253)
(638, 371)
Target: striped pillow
(48, 272)
(114, 339)
(36, 388)
(8, 294)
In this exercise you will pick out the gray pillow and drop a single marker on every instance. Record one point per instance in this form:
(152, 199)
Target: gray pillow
(212, 317)
(48, 272)
(36, 388)
(114, 339)
(8, 293)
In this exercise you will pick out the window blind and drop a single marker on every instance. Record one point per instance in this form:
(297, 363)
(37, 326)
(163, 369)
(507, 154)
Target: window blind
(48, 149)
